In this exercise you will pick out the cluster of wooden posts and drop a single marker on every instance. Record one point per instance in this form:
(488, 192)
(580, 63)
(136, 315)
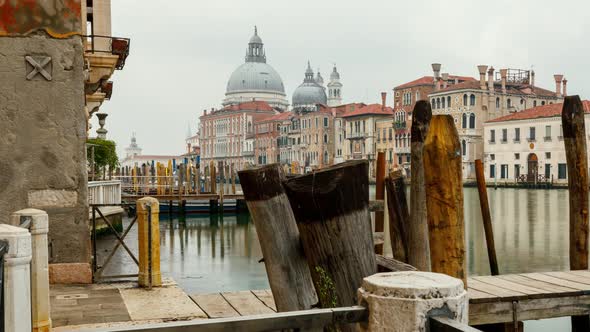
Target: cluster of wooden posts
(186, 178)
(316, 229)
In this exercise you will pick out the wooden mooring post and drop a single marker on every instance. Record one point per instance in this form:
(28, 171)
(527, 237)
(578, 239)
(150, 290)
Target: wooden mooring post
(444, 198)
(399, 217)
(331, 210)
(286, 267)
(418, 239)
(487, 218)
(380, 195)
(574, 134)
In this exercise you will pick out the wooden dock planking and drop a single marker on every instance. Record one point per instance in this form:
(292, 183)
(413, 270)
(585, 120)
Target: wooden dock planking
(246, 303)
(492, 299)
(214, 305)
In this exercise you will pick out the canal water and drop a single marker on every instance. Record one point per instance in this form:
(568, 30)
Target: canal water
(207, 254)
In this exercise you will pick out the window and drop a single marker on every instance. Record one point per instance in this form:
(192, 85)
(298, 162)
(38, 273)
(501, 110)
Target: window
(547, 171)
(542, 103)
(438, 103)
(443, 102)
(547, 155)
(497, 102)
(464, 100)
(547, 133)
(399, 159)
(534, 103)
(325, 138)
(390, 155)
(516, 134)
(433, 103)
(492, 136)
(464, 122)
(390, 133)
(503, 171)
(517, 156)
(516, 171)
(492, 171)
(561, 171)
(325, 122)
(504, 135)
(531, 133)
(492, 156)
(472, 121)
(449, 101)
(508, 103)
(464, 147)
(472, 100)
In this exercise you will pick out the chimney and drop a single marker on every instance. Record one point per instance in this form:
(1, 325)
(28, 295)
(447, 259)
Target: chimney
(558, 79)
(482, 76)
(491, 79)
(532, 78)
(503, 74)
(445, 78)
(436, 70)
(564, 87)
(205, 112)
(383, 98)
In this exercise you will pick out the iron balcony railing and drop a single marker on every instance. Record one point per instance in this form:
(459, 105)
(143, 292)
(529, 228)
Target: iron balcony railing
(108, 44)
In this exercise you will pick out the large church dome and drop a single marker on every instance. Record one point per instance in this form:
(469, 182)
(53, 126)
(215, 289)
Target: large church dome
(309, 93)
(255, 79)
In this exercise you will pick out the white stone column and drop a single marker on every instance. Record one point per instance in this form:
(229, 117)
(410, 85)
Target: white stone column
(17, 278)
(403, 301)
(39, 227)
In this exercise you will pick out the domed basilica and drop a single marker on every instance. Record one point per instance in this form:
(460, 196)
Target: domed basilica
(255, 80)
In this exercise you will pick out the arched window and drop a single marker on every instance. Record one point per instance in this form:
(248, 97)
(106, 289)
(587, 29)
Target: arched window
(472, 100)
(443, 102)
(464, 100)
(508, 103)
(464, 147)
(497, 102)
(325, 138)
(325, 157)
(449, 101)
(542, 103)
(437, 103)
(417, 95)
(534, 103)
(472, 121)
(433, 103)
(464, 122)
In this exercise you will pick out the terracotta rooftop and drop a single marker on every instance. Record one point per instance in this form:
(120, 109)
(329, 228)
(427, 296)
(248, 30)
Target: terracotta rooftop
(277, 117)
(372, 109)
(516, 89)
(545, 111)
(250, 105)
(429, 80)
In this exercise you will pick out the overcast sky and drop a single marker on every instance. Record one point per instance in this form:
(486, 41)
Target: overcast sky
(183, 54)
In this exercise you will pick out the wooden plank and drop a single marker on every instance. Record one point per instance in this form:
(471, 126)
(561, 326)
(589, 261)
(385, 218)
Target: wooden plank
(245, 303)
(479, 296)
(399, 216)
(214, 305)
(556, 281)
(486, 217)
(505, 294)
(570, 277)
(506, 284)
(445, 324)
(548, 287)
(528, 309)
(265, 296)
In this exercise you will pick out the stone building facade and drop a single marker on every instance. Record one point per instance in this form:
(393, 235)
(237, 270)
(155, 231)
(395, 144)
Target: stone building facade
(227, 135)
(405, 97)
(472, 103)
(527, 146)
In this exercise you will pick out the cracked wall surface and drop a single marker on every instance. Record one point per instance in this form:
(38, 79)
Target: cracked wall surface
(42, 139)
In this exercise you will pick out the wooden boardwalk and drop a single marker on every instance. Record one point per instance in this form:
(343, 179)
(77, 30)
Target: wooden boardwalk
(492, 299)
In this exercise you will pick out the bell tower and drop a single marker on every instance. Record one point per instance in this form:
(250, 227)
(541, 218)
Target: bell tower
(334, 89)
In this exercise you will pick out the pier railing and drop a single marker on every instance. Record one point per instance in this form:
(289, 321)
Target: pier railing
(104, 192)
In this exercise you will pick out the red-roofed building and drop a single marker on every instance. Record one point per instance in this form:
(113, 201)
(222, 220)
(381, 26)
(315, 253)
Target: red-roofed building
(266, 133)
(405, 97)
(527, 146)
(472, 103)
(227, 134)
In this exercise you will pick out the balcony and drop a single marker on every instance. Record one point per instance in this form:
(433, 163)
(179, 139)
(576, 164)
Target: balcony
(503, 141)
(531, 139)
(104, 55)
(357, 135)
(517, 140)
(547, 138)
(399, 125)
(492, 141)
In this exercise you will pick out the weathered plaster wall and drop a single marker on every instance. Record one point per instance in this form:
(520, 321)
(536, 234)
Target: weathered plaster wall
(42, 139)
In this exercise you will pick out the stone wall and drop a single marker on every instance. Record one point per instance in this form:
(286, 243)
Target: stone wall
(42, 138)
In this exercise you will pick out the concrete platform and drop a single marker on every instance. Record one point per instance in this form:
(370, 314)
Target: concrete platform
(75, 307)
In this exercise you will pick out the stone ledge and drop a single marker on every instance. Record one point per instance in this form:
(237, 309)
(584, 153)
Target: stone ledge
(70, 273)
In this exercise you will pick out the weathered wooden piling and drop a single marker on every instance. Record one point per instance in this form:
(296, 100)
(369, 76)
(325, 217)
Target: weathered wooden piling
(380, 195)
(444, 198)
(331, 210)
(399, 217)
(487, 218)
(574, 134)
(418, 238)
(286, 267)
